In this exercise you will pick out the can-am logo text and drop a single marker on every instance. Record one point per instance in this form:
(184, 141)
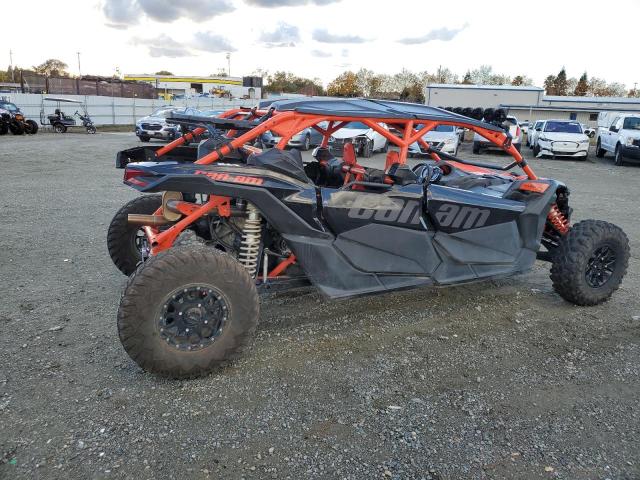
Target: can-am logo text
(394, 211)
(455, 216)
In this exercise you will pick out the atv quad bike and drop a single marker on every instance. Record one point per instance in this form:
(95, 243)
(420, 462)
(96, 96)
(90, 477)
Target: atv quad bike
(265, 220)
(12, 120)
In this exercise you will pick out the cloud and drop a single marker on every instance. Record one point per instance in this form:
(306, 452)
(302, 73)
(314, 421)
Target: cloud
(320, 54)
(211, 42)
(284, 35)
(444, 34)
(322, 35)
(287, 3)
(123, 13)
(163, 46)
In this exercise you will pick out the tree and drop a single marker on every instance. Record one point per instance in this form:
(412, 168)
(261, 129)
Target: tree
(517, 81)
(634, 93)
(550, 85)
(582, 87)
(222, 72)
(164, 72)
(561, 83)
(287, 82)
(467, 78)
(600, 88)
(345, 85)
(53, 67)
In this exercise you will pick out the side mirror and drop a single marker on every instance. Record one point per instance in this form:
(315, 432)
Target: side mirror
(538, 129)
(613, 128)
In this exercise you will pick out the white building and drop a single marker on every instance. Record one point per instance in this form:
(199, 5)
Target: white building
(170, 86)
(527, 103)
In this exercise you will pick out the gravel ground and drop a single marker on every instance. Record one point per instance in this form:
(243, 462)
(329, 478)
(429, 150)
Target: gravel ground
(492, 380)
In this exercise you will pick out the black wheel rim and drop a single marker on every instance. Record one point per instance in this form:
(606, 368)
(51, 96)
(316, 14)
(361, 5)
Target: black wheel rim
(192, 317)
(600, 266)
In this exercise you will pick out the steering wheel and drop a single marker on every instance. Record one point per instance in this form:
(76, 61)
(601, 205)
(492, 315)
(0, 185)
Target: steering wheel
(428, 173)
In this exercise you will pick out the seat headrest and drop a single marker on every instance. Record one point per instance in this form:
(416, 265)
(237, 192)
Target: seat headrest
(349, 154)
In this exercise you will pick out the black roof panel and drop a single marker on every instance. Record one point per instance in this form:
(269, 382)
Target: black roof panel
(370, 108)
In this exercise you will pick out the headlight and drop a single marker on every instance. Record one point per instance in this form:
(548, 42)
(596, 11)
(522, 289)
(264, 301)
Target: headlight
(629, 141)
(449, 141)
(586, 140)
(542, 139)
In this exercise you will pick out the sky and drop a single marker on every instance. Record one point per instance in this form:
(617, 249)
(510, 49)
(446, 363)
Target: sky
(322, 38)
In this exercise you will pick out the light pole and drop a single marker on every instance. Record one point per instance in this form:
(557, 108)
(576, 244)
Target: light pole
(229, 63)
(79, 71)
(11, 63)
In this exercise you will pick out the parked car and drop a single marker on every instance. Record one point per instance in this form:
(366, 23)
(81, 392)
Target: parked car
(444, 138)
(303, 141)
(562, 138)
(524, 126)
(156, 126)
(533, 132)
(480, 143)
(364, 138)
(622, 138)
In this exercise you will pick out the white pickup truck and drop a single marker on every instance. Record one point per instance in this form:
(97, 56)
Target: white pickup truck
(619, 134)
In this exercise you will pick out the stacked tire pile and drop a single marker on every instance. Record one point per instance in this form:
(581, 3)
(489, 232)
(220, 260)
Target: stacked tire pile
(496, 116)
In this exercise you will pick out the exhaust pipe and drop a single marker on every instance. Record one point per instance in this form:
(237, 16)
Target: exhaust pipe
(147, 220)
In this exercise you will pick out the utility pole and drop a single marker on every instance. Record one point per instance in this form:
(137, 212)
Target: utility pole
(11, 64)
(79, 71)
(229, 63)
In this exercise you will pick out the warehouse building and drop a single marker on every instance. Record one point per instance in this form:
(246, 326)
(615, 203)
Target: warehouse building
(527, 103)
(174, 86)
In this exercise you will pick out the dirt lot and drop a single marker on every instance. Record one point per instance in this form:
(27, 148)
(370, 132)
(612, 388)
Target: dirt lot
(492, 380)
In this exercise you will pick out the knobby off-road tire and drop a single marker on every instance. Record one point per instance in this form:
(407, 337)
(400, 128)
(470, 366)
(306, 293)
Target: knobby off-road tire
(172, 294)
(590, 246)
(121, 237)
(31, 127)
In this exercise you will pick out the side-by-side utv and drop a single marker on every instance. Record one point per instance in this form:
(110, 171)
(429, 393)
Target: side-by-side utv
(222, 221)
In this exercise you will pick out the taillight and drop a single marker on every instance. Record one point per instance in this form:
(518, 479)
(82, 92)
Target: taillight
(518, 132)
(137, 177)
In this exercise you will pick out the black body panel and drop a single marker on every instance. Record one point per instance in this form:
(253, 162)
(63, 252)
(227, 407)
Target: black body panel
(352, 242)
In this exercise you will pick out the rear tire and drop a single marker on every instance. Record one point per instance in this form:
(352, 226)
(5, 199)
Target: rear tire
(188, 311)
(476, 148)
(4, 128)
(600, 152)
(91, 129)
(123, 238)
(59, 128)
(590, 262)
(16, 128)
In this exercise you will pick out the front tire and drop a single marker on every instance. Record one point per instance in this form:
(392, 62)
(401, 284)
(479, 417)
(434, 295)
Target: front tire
(31, 127)
(536, 150)
(188, 311)
(618, 159)
(125, 240)
(476, 148)
(599, 150)
(590, 262)
(367, 150)
(59, 128)
(144, 138)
